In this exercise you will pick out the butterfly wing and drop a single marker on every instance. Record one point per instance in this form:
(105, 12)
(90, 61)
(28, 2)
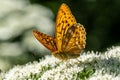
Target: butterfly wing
(70, 36)
(47, 41)
(64, 21)
(75, 39)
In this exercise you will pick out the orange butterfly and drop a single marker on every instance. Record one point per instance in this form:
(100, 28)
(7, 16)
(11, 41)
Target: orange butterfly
(70, 36)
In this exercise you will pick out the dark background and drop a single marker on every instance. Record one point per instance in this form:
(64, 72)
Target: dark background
(100, 18)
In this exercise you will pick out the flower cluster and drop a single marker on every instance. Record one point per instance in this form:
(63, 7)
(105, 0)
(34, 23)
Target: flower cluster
(90, 65)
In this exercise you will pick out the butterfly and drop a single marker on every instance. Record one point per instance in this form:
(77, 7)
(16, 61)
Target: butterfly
(70, 36)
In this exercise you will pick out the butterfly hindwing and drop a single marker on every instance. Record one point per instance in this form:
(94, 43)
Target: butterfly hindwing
(76, 40)
(47, 41)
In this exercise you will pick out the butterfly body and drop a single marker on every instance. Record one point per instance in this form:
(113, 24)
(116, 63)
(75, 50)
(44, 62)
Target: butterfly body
(70, 39)
(65, 55)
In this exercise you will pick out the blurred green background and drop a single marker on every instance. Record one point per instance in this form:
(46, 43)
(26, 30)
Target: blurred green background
(19, 17)
(100, 18)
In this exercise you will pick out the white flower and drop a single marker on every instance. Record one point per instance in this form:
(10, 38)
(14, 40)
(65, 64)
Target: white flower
(91, 66)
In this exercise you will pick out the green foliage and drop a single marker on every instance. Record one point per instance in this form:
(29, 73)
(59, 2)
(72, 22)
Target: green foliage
(36, 76)
(85, 73)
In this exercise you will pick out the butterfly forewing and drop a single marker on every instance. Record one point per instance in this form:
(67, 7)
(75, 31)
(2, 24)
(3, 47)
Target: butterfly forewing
(64, 21)
(47, 41)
